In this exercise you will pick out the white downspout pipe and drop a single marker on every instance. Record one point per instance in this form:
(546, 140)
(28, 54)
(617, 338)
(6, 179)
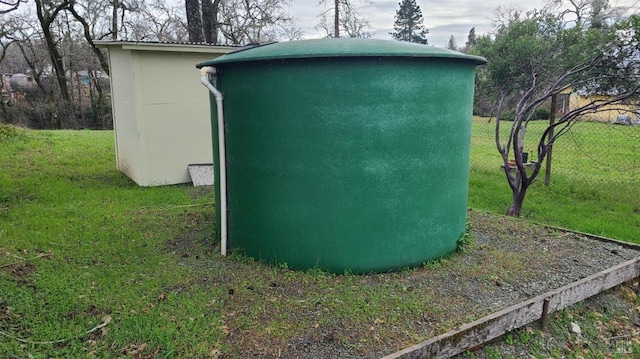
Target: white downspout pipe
(205, 72)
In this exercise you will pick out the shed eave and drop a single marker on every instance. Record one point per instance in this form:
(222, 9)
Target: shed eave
(166, 47)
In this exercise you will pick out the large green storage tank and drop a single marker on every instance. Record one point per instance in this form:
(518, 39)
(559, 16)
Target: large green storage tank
(344, 154)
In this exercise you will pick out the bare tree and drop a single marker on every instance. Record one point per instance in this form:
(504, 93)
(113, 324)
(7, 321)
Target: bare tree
(253, 21)
(47, 13)
(533, 59)
(587, 13)
(34, 58)
(119, 9)
(7, 6)
(237, 22)
(344, 18)
(56, 46)
(89, 37)
(157, 20)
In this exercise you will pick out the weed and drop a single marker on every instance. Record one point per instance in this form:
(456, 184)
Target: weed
(9, 132)
(435, 264)
(239, 255)
(508, 338)
(317, 272)
(465, 239)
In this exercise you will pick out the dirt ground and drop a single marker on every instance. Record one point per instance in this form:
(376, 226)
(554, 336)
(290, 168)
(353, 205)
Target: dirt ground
(507, 261)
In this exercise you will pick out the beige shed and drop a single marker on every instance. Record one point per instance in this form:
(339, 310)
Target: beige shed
(160, 109)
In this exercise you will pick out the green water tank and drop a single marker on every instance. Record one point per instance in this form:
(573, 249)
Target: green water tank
(345, 154)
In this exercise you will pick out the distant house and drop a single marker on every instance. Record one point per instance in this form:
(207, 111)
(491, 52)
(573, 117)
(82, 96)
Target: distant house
(161, 114)
(570, 100)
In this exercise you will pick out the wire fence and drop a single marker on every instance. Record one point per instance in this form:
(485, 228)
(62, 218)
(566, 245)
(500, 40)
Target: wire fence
(595, 149)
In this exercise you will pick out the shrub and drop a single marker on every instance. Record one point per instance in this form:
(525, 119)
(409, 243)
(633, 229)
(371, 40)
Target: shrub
(541, 113)
(8, 132)
(508, 115)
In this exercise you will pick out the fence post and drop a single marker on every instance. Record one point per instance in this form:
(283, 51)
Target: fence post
(552, 120)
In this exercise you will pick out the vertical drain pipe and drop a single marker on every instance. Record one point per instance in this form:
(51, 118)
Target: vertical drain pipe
(205, 72)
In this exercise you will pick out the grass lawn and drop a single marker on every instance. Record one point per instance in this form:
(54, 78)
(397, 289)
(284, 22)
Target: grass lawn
(84, 244)
(93, 265)
(605, 201)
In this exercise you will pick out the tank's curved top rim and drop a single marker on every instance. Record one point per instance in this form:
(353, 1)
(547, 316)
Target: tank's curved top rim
(337, 48)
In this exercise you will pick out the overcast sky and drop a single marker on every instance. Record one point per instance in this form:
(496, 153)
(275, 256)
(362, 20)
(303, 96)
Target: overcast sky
(442, 18)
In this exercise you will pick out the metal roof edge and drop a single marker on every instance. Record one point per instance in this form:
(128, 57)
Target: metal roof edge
(166, 46)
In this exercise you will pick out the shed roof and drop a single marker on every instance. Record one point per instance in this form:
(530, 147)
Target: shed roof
(166, 46)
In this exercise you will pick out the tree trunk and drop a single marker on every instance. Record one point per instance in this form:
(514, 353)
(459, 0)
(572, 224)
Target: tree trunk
(519, 193)
(58, 64)
(46, 19)
(194, 20)
(207, 21)
(215, 25)
(336, 19)
(97, 101)
(114, 20)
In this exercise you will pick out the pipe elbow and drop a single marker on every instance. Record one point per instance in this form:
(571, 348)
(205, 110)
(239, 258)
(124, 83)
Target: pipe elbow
(206, 70)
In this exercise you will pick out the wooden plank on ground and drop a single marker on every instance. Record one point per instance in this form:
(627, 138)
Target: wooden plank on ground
(595, 237)
(494, 325)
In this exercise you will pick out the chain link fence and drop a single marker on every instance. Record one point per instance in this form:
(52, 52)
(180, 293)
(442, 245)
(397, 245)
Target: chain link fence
(595, 149)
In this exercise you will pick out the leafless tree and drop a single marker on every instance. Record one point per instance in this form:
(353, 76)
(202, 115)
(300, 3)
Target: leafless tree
(237, 22)
(7, 6)
(253, 21)
(534, 59)
(24, 33)
(155, 20)
(587, 13)
(343, 16)
(119, 9)
(56, 46)
(89, 36)
(164, 22)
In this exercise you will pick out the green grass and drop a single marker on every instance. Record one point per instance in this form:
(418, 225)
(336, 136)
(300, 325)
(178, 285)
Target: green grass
(595, 181)
(83, 244)
(93, 265)
(607, 330)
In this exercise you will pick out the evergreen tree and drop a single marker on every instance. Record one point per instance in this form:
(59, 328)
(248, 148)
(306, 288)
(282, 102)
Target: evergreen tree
(471, 41)
(599, 13)
(408, 23)
(452, 44)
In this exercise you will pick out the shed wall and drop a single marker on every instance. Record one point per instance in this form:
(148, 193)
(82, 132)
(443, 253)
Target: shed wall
(161, 112)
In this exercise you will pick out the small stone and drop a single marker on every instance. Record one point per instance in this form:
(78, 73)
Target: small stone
(576, 328)
(623, 120)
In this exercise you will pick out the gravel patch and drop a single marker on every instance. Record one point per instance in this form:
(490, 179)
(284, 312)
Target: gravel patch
(316, 315)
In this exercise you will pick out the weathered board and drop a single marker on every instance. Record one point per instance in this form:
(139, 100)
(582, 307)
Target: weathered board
(494, 325)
